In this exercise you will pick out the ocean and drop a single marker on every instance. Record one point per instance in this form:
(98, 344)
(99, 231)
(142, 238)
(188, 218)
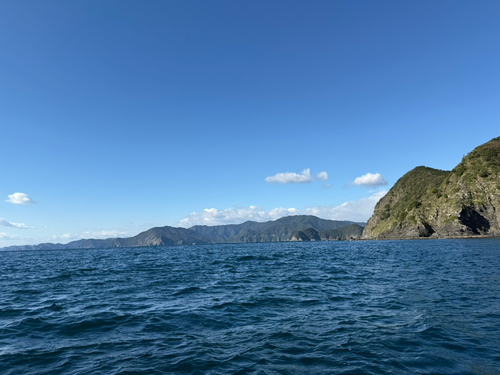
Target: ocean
(364, 307)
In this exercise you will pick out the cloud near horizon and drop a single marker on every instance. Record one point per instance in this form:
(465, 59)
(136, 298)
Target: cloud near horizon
(6, 223)
(102, 234)
(7, 237)
(359, 210)
(19, 198)
(296, 178)
(64, 238)
(106, 233)
(369, 180)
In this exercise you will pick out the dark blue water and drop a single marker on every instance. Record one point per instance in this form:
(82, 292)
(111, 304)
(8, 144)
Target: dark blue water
(381, 307)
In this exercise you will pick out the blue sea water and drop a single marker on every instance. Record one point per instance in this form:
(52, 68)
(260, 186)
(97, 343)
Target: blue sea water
(375, 307)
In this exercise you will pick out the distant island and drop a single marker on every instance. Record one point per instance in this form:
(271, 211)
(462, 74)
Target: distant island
(431, 203)
(290, 228)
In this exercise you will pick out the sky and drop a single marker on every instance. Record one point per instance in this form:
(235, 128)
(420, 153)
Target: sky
(117, 116)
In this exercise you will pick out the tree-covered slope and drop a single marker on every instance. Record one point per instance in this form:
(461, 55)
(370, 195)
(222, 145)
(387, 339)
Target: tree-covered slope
(428, 202)
(353, 231)
(278, 230)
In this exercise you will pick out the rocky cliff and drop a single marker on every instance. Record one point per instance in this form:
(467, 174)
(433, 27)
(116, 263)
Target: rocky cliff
(428, 202)
(350, 232)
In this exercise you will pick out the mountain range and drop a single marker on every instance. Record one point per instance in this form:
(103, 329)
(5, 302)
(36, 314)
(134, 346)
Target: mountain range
(283, 229)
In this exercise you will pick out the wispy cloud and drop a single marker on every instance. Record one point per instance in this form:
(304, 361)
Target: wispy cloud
(19, 198)
(234, 215)
(369, 180)
(290, 178)
(105, 234)
(6, 223)
(68, 237)
(8, 237)
(359, 210)
(323, 176)
(65, 237)
(295, 178)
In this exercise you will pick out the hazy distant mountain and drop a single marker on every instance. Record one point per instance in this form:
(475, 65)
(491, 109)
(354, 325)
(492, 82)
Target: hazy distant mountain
(250, 231)
(162, 236)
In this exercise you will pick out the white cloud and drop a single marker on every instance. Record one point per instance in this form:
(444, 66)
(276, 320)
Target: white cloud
(65, 237)
(19, 198)
(6, 223)
(7, 237)
(102, 234)
(370, 180)
(234, 215)
(323, 176)
(290, 178)
(105, 234)
(359, 210)
(295, 178)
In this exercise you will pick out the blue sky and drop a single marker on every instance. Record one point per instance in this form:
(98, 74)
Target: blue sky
(117, 116)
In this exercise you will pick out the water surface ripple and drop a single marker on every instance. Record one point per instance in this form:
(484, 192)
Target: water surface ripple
(378, 307)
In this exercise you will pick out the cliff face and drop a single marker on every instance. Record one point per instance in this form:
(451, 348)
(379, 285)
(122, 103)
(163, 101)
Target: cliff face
(428, 202)
(353, 231)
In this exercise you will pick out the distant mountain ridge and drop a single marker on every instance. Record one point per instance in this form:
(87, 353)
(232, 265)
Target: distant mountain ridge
(271, 231)
(278, 230)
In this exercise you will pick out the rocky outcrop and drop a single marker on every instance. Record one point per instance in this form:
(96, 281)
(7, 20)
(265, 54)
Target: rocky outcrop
(350, 232)
(309, 234)
(430, 203)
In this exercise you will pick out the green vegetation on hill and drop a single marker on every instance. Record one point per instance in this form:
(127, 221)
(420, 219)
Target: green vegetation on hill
(429, 202)
(353, 231)
(271, 231)
(401, 206)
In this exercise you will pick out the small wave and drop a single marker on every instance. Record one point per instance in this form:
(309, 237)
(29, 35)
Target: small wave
(246, 258)
(256, 308)
(95, 324)
(187, 290)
